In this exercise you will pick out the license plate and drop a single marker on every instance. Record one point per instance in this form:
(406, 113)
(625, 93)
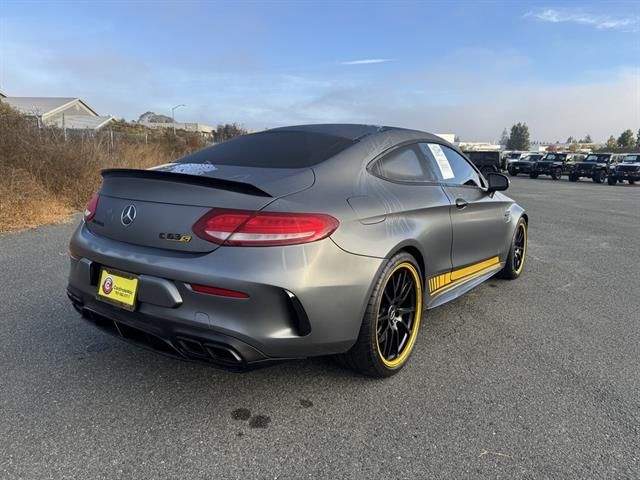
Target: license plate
(118, 288)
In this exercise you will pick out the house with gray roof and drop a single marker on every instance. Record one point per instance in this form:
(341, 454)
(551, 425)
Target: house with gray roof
(62, 112)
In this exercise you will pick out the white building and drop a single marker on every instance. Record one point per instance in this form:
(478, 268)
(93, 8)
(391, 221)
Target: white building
(479, 146)
(62, 112)
(201, 128)
(448, 137)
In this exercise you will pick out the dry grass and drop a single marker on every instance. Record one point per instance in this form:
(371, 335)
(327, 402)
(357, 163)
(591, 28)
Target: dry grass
(24, 203)
(45, 177)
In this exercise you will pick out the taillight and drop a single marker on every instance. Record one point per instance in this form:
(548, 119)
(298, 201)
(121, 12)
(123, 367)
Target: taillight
(248, 228)
(92, 206)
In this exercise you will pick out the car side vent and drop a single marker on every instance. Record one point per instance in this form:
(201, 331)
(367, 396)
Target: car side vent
(298, 314)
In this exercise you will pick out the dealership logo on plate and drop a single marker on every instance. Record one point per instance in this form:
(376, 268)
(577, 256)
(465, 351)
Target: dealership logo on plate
(107, 286)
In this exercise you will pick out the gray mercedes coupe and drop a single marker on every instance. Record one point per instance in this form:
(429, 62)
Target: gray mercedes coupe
(293, 242)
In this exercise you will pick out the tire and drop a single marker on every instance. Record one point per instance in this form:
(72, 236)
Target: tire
(373, 353)
(631, 182)
(599, 176)
(573, 177)
(611, 180)
(556, 174)
(513, 173)
(517, 253)
(533, 175)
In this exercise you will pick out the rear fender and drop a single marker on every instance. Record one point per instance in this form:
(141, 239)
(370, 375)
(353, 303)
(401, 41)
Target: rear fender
(516, 212)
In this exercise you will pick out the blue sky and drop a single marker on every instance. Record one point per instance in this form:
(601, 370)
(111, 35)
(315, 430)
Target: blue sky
(473, 67)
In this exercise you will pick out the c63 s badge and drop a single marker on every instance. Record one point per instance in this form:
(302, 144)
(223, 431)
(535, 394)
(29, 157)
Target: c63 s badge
(175, 237)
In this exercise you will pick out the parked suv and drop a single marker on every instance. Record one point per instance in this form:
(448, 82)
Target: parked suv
(524, 164)
(555, 165)
(510, 157)
(487, 161)
(628, 169)
(596, 167)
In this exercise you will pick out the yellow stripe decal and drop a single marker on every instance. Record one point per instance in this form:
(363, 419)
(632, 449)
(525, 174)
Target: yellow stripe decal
(471, 269)
(461, 280)
(447, 280)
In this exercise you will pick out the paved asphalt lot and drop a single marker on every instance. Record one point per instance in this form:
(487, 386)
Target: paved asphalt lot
(537, 378)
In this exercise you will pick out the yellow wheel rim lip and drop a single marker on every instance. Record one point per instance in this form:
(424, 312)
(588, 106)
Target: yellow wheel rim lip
(416, 322)
(523, 226)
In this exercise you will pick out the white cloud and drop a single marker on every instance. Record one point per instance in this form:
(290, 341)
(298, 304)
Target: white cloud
(473, 92)
(553, 112)
(601, 22)
(477, 103)
(367, 61)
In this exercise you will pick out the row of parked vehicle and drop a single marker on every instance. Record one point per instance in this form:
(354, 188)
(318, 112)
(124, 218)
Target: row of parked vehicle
(599, 167)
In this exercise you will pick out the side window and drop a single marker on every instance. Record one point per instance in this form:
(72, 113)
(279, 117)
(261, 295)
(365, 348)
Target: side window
(404, 165)
(449, 165)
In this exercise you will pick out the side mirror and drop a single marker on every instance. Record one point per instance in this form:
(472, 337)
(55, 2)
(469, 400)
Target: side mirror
(497, 182)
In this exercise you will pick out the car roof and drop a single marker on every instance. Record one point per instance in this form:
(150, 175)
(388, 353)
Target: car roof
(355, 131)
(343, 130)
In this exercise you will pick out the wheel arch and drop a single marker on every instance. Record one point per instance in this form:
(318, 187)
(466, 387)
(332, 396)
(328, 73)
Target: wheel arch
(517, 213)
(417, 254)
(405, 247)
(415, 251)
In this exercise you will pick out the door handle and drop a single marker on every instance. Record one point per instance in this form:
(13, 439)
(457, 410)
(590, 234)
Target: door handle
(461, 203)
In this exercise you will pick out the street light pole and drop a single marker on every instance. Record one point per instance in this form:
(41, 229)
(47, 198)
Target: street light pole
(173, 116)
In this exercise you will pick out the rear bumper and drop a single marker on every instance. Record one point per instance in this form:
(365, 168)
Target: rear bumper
(304, 300)
(174, 339)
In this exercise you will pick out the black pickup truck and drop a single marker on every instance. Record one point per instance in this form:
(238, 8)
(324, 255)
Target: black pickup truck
(596, 167)
(555, 165)
(628, 169)
(487, 161)
(524, 164)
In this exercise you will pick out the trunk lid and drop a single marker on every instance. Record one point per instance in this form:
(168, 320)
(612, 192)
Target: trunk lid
(158, 207)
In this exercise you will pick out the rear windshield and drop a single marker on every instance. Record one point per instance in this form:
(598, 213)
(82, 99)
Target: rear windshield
(272, 149)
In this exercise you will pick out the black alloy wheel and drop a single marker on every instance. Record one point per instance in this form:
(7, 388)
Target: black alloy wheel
(396, 315)
(517, 255)
(391, 322)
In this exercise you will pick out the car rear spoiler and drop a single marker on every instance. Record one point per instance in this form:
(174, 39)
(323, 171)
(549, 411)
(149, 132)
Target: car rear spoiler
(219, 183)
